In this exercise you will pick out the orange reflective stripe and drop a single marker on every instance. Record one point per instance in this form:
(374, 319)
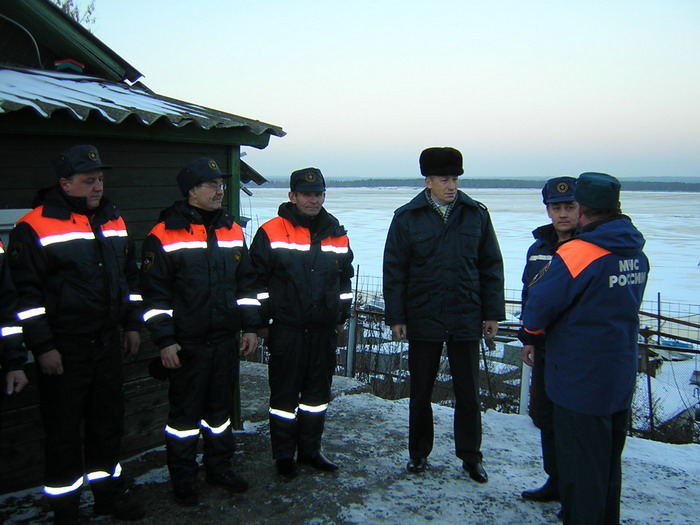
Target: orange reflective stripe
(181, 237)
(196, 237)
(283, 234)
(579, 254)
(51, 230)
(535, 332)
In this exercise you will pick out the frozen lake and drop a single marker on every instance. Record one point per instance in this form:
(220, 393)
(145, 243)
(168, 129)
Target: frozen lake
(667, 220)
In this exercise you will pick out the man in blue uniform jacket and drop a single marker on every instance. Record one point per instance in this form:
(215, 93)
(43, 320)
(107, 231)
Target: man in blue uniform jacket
(587, 300)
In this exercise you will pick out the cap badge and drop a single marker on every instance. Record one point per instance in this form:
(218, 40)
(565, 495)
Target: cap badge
(310, 177)
(212, 165)
(562, 187)
(92, 155)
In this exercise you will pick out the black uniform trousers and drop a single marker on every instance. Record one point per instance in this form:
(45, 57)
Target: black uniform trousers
(589, 456)
(423, 365)
(544, 409)
(200, 401)
(89, 390)
(301, 366)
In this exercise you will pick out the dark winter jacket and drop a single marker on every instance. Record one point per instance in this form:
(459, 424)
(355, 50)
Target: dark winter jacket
(443, 279)
(538, 256)
(197, 283)
(12, 353)
(304, 271)
(74, 270)
(588, 302)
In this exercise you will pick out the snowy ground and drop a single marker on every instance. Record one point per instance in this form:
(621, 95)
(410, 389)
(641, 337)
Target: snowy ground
(367, 436)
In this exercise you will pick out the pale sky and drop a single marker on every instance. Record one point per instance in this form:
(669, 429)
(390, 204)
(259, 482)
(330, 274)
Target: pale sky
(522, 87)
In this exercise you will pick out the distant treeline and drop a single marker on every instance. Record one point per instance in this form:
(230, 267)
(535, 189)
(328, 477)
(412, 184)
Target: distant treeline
(467, 182)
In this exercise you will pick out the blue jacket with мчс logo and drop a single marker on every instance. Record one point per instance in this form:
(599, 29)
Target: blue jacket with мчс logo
(588, 303)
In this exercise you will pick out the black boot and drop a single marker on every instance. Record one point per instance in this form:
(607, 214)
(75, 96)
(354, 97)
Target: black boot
(547, 492)
(317, 461)
(65, 508)
(476, 471)
(417, 465)
(287, 468)
(112, 499)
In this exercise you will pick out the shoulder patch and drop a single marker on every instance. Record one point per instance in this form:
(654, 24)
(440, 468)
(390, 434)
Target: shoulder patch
(540, 274)
(148, 260)
(15, 251)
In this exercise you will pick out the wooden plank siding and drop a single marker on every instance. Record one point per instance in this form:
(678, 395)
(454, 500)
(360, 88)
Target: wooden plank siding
(142, 183)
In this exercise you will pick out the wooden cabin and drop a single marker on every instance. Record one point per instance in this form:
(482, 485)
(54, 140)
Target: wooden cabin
(61, 86)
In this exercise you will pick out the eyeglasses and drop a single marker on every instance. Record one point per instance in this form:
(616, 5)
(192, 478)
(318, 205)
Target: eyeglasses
(213, 186)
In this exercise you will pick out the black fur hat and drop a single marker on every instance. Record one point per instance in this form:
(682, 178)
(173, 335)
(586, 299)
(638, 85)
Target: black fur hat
(441, 162)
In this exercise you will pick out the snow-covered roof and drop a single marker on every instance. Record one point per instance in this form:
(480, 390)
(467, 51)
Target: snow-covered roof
(45, 92)
(671, 391)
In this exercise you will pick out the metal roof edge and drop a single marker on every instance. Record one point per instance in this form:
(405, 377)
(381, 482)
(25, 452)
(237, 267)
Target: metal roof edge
(48, 91)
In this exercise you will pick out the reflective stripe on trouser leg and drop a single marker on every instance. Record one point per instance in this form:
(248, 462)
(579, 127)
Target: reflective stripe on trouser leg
(219, 446)
(104, 420)
(300, 371)
(217, 432)
(89, 389)
(181, 453)
(283, 433)
(311, 423)
(66, 504)
(105, 486)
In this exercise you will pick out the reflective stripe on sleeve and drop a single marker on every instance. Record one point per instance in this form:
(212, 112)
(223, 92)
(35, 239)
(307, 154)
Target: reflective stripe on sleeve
(334, 249)
(263, 295)
(135, 297)
(32, 312)
(152, 313)
(346, 296)
(11, 330)
(247, 301)
(114, 233)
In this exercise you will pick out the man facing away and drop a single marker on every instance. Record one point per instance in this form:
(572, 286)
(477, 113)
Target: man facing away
(443, 283)
(587, 300)
(197, 283)
(558, 197)
(73, 266)
(304, 265)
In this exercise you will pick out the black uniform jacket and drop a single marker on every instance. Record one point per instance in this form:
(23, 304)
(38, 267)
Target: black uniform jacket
(304, 270)
(538, 256)
(12, 353)
(197, 283)
(443, 279)
(74, 270)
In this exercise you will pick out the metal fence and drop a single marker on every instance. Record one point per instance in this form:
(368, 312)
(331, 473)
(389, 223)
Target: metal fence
(666, 403)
